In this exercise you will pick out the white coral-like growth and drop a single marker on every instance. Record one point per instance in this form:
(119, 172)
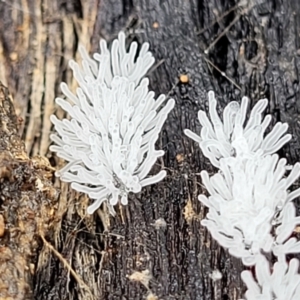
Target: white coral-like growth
(249, 201)
(287, 221)
(115, 122)
(233, 137)
(283, 283)
(245, 203)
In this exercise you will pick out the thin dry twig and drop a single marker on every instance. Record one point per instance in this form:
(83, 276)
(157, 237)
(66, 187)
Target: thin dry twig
(67, 265)
(245, 10)
(222, 73)
(220, 17)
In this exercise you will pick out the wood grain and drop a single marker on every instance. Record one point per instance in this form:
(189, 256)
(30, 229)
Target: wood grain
(155, 248)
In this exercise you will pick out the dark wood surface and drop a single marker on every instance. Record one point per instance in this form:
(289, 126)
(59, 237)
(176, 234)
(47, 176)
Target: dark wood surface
(155, 248)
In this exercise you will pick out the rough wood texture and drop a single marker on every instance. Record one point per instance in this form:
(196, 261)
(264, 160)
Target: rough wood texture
(155, 247)
(27, 201)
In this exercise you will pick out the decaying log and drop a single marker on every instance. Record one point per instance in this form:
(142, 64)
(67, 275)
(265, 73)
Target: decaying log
(27, 201)
(155, 248)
